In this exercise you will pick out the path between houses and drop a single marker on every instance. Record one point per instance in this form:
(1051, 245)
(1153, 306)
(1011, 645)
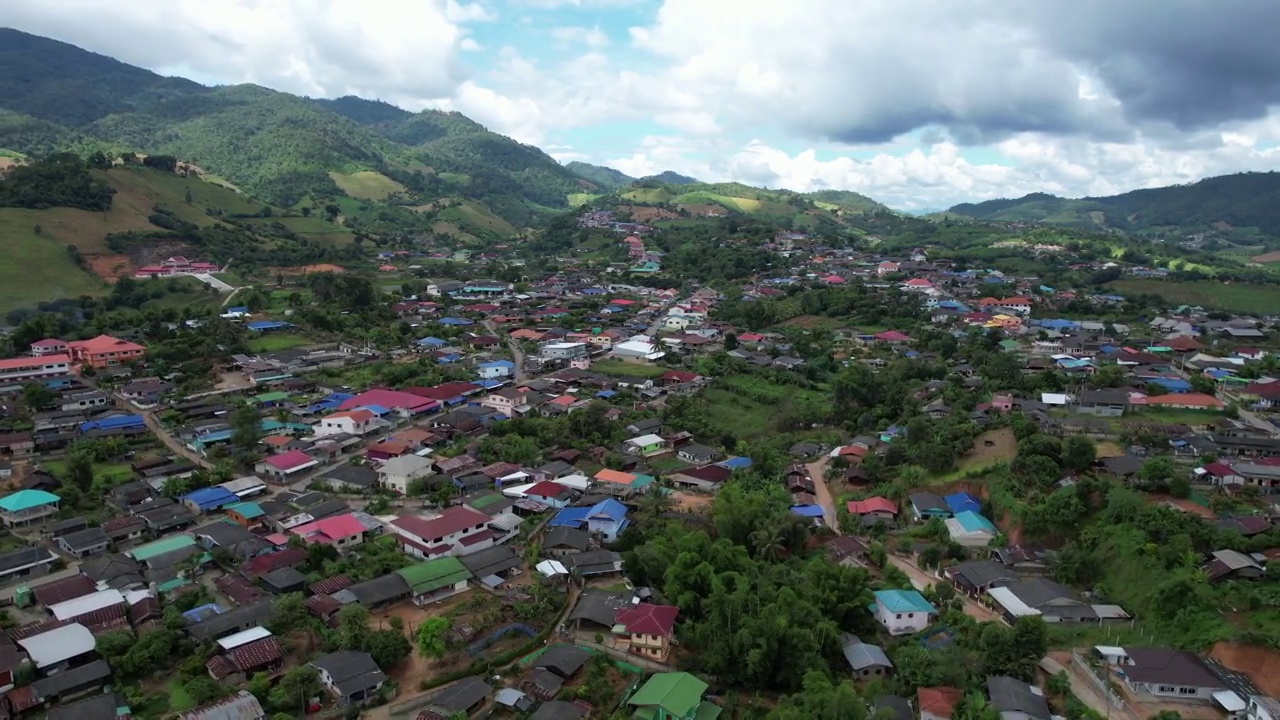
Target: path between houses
(517, 355)
(818, 472)
(922, 580)
(1082, 687)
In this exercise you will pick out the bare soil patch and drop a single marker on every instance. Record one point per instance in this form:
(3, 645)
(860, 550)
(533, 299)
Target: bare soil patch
(1273, 256)
(990, 447)
(642, 214)
(1184, 505)
(1261, 665)
(110, 267)
(1108, 449)
(691, 502)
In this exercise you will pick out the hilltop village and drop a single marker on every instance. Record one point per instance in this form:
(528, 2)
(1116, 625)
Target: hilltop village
(871, 484)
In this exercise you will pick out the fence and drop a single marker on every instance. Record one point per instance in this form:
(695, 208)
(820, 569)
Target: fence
(630, 658)
(1101, 687)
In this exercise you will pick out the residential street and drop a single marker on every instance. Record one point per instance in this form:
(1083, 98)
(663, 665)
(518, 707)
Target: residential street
(517, 355)
(922, 580)
(817, 471)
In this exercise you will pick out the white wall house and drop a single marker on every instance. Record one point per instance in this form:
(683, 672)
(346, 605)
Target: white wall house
(351, 422)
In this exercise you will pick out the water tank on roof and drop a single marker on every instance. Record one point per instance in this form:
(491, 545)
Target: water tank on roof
(23, 597)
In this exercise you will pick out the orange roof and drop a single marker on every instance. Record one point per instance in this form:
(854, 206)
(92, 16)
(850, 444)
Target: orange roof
(526, 334)
(104, 343)
(940, 701)
(1187, 400)
(357, 415)
(276, 440)
(615, 476)
(1016, 301)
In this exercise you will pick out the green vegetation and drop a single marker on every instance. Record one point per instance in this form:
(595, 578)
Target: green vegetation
(604, 177)
(367, 185)
(37, 267)
(622, 368)
(275, 342)
(1231, 297)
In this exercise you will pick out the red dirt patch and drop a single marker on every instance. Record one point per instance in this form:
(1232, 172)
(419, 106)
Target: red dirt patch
(1262, 665)
(110, 267)
(1186, 506)
(1273, 256)
(643, 214)
(307, 269)
(691, 502)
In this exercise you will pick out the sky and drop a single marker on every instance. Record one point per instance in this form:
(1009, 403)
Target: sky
(919, 104)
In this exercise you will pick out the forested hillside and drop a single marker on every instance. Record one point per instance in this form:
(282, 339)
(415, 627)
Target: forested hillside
(605, 177)
(1242, 205)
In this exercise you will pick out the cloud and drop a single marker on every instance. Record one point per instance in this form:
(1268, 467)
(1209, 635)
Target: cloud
(334, 48)
(592, 37)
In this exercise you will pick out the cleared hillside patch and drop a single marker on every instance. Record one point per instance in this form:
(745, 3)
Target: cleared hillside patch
(37, 267)
(366, 185)
(476, 218)
(576, 199)
(1233, 297)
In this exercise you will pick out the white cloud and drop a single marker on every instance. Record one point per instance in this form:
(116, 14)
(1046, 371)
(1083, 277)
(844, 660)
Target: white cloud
(592, 37)
(470, 45)
(469, 12)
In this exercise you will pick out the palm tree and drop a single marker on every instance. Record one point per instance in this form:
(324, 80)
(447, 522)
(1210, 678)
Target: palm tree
(655, 501)
(770, 542)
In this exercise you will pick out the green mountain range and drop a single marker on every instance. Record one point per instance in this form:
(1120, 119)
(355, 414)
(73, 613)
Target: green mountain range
(603, 177)
(1244, 207)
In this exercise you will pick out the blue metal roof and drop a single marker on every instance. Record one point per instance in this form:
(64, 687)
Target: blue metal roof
(973, 522)
(267, 325)
(113, 423)
(433, 341)
(811, 511)
(570, 517)
(610, 508)
(962, 502)
(736, 463)
(211, 497)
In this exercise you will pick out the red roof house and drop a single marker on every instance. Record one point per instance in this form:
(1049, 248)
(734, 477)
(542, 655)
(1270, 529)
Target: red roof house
(873, 505)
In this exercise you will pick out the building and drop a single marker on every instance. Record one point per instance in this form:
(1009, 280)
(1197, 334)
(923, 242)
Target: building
(648, 629)
(24, 369)
(903, 612)
(241, 706)
(1016, 700)
(672, 696)
(350, 422)
(351, 676)
(397, 473)
(647, 445)
(27, 506)
(104, 351)
(865, 660)
(937, 703)
(495, 370)
(339, 531)
(435, 579)
(1169, 674)
(457, 530)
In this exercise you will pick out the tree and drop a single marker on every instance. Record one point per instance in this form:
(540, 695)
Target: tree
(353, 626)
(1180, 486)
(289, 611)
(1079, 453)
(1156, 470)
(295, 689)
(431, 636)
(388, 647)
(246, 432)
(37, 397)
(79, 470)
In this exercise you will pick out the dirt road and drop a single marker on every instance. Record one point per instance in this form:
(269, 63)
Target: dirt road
(172, 442)
(517, 355)
(1082, 687)
(922, 580)
(817, 470)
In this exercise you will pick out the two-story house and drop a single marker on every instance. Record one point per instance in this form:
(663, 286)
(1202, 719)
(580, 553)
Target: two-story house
(458, 530)
(508, 401)
(397, 473)
(350, 422)
(647, 629)
(903, 612)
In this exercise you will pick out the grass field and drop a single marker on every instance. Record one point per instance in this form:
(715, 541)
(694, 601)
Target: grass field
(732, 413)
(471, 216)
(1003, 448)
(627, 369)
(576, 199)
(1259, 299)
(277, 341)
(745, 205)
(192, 293)
(314, 228)
(37, 267)
(366, 185)
(117, 473)
(648, 195)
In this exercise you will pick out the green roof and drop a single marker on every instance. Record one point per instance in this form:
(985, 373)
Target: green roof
(708, 710)
(434, 574)
(27, 499)
(677, 693)
(271, 397)
(486, 500)
(247, 510)
(142, 553)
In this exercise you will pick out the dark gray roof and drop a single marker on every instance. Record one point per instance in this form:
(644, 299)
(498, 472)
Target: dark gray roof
(593, 562)
(379, 590)
(928, 501)
(98, 707)
(893, 707)
(461, 695)
(23, 557)
(981, 573)
(85, 539)
(565, 537)
(73, 679)
(600, 606)
(358, 475)
(352, 671)
(284, 577)
(234, 620)
(1047, 596)
(1103, 397)
(1172, 667)
(1123, 464)
(491, 561)
(109, 568)
(564, 660)
(558, 710)
(861, 655)
(1012, 695)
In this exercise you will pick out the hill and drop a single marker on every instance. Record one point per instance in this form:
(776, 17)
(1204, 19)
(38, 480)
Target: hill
(291, 151)
(1243, 208)
(672, 178)
(605, 177)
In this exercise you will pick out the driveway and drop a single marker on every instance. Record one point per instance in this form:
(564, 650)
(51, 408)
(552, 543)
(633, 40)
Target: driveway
(213, 282)
(922, 580)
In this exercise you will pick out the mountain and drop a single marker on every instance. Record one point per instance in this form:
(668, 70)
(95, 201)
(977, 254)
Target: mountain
(672, 178)
(1242, 207)
(605, 177)
(288, 150)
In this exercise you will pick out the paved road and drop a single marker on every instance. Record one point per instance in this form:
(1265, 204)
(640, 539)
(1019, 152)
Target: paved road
(1083, 688)
(922, 580)
(213, 282)
(513, 345)
(1257, 421)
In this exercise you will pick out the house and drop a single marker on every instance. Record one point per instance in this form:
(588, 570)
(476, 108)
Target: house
(672, 696)
(286, 465)
(240, 706)
(697, 454)
(457, 530)
(343, 531)
(903, 612)
(877, 507)
(1102, 403)
(495, 370)
(1233, 565)
(83, 543)
(1016, 700)
(26, 369)
(104, 351)
(550, 493)
(378, 592)
(398, 473)
(208, 499)
(971, 529)
(846, 550)
(1262, 707)
(351, 676)
(265, 655)
(866, 661)
(350, 422)
(458, 699)
(707, 477)
(976, 577)
(1169, 674)
(937, 703)
(616, 482)
(561, 541)
(926, 505)
(58, 648)
(607, 519)
(1051, 601)
(650, 629)
(27, 506)
(595, 562)
(646, 445)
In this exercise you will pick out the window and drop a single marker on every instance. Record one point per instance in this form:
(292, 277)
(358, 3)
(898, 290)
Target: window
(910, 615)
(1186, 691)
(898, 616)
(1165, 688)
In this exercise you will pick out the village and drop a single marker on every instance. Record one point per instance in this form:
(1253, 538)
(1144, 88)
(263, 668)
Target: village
(472, 519)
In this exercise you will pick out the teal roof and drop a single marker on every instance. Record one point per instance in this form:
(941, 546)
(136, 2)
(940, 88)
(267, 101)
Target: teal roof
(897, 601)
(142, 553)
(27, 499)
(974, 522)
(247, 510)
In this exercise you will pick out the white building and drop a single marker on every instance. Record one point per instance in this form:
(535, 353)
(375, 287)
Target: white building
(459, 530)
(396, 473)
(903, 612)
(351, 422)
